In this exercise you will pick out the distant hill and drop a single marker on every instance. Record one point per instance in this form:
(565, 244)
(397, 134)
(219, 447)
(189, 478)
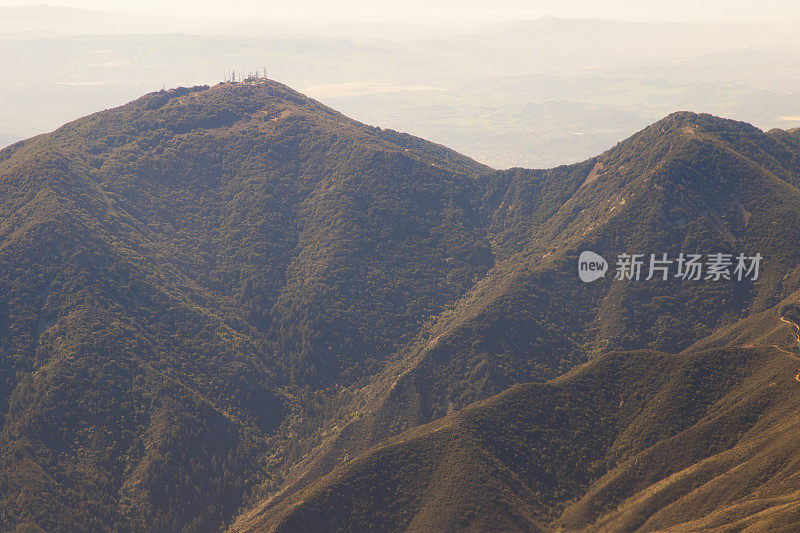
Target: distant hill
(55, 20)
(232, 305)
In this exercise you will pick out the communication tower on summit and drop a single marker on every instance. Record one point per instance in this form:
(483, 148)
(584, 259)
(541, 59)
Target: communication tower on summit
(252, 77)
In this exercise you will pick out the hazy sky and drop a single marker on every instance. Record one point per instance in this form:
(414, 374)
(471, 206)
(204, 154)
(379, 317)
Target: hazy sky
(438, 11)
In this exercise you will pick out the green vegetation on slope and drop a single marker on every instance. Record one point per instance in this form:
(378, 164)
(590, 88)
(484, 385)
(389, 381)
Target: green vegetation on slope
(690, 183)
(210, 298)
(180, 274)
(631, 441)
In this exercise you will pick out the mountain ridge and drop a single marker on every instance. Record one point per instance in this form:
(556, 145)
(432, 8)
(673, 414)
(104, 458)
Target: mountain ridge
(579, 514)
(214, 297)
(363, 440)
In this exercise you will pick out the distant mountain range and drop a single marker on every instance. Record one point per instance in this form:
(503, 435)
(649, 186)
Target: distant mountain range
(233, 307)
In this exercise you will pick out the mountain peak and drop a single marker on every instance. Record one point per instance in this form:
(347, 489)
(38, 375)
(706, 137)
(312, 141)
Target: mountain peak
(684, 143)
(258, 109)
(201, 107)
(684, 121)
(264, 88)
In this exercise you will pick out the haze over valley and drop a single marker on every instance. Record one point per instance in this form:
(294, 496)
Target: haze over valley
(534, 93)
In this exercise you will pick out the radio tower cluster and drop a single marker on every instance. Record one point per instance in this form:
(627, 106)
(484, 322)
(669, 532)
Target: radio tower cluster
(251, 76)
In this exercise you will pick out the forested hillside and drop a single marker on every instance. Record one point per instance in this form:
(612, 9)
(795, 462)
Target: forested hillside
(638, 441)
(232, 305)
(197, 264)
